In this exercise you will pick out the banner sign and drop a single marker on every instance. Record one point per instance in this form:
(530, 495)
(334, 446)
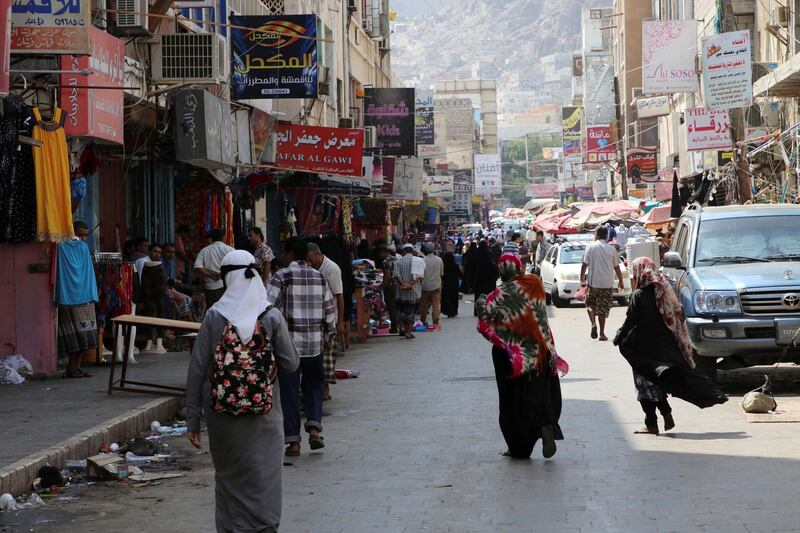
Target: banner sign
(5, 45)
(388, 164)
(598, 91)
(552, 152)
(656, 106)
(727, 70)
(392, 112)
(276, 57)
(488, 175)
(203, 130)
(408, 178)
(598, 145)
(439, 186)
(336, 151)
(707, 129)
(424, 118)
(95, 113)
(51, 27)
(571, 130)
(641, 163)
(669, 48)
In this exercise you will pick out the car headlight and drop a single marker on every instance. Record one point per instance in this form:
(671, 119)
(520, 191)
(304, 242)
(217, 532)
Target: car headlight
(567, 276)
(717, 302)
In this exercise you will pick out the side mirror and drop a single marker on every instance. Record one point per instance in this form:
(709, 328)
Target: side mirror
(672, 260)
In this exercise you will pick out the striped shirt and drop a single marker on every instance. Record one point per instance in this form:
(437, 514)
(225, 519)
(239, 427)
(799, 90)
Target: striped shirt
(302, 295)
(403, 269)
(510, 247)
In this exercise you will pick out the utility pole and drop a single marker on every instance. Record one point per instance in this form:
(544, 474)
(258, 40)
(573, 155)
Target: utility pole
(623, 169)
(527, 163)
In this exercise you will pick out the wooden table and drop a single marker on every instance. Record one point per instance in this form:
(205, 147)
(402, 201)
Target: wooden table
(127, 322)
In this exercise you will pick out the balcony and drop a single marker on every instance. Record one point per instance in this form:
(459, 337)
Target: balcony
(784, 81)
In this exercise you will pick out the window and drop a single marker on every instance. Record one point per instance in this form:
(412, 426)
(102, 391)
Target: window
(680, 243)
(274, 7)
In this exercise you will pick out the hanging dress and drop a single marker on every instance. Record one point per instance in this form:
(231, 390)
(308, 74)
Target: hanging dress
(17, 181)
(51, 165)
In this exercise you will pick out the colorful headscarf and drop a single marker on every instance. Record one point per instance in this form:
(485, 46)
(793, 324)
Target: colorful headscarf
(645, 273)
(513, 317)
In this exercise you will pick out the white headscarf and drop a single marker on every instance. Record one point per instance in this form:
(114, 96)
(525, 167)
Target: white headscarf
(245, 298)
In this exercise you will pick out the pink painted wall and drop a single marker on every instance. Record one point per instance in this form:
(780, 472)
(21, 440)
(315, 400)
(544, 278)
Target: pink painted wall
(27, 313)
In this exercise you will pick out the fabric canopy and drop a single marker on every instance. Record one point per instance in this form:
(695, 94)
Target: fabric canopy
(555, 222)
(599, 213)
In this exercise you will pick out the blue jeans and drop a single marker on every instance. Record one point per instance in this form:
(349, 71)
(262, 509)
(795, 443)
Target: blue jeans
(310, 378)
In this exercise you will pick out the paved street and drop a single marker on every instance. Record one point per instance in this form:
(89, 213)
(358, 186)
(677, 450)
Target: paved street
(413, 445)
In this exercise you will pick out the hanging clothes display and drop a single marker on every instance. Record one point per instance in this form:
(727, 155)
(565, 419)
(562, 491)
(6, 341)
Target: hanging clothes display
(75, 280)
(114, 287)
(228, 217)
(51, 164)
(17, 179)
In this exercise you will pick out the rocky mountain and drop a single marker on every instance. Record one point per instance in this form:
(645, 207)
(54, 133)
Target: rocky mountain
(458, 39)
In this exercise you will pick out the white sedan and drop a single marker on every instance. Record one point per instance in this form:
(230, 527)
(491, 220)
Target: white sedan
(561, 273)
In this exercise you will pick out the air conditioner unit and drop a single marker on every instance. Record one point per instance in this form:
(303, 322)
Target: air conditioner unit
(196, 57)
(779, 16)
(131, 18)
(346, 122)
(351, 6)
(383, 45)
(323, 81)
(370, 136)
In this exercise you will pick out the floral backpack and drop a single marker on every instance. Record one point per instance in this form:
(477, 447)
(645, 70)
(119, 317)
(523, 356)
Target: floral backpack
(242, 374)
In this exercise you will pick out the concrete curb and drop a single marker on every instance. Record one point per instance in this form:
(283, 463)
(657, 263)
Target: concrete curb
(17, 477)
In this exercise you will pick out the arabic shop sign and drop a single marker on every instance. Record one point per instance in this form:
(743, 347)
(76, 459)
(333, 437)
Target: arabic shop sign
(391, 111)
(669, 48)
(424, 118)
(641, 164)
(571, 130)
(656, 106)
(50, 27)
(95, 113)
(727, 70)
(336, 151)
(203, 130)
(276, 57)
(488, 175)
(707, 129)
(598, 145)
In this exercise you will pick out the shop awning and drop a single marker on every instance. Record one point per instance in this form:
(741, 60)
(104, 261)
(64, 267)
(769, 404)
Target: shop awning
(783, 81)
(554, 223)
(600, 213)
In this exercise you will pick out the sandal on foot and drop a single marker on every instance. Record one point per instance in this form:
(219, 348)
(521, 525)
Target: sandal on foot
(669, 422)
(84, 374)
(292, 452)
(593, 334)
(647, 431)
(548, 441)
(316, 442)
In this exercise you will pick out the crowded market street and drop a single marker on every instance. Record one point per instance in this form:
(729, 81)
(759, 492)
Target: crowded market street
(413, 445)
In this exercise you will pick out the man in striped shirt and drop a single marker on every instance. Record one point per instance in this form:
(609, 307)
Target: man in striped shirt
(302, 295)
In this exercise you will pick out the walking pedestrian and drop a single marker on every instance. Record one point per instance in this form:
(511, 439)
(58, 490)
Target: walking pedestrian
(600, 261)
(655, 342)
(409, 291)
(303, 296)
(514, 319)
(207, 266)
(450, 283)
(484, 272)
(542, 247)
(233, 363)
(431, 286)
(387, 259)
(261, 251)
(333, 276)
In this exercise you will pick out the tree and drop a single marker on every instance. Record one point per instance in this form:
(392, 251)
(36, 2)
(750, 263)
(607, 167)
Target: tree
(512, 155)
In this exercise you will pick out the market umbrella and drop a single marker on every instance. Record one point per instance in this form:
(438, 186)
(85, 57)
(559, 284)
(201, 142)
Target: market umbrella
(676, 197)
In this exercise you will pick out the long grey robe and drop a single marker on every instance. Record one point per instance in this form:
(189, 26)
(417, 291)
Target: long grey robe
(247, 450)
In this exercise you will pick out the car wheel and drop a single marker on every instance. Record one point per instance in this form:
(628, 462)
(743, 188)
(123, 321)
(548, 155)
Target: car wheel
(556, 299)
(706, 365)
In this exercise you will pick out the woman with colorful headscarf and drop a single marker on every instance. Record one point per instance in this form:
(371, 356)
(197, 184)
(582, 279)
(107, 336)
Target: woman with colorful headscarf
(655, 342)
(514, 319)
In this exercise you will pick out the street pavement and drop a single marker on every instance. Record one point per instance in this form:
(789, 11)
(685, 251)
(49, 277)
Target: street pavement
(414, 445)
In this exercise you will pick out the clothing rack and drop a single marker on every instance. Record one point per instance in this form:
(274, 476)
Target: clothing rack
(107, 258)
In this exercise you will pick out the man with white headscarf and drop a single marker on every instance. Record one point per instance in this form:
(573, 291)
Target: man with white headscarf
(246, 442)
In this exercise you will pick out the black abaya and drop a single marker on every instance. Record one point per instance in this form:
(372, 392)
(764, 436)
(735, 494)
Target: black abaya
(527, 403)
(651, 350)
(450, 284)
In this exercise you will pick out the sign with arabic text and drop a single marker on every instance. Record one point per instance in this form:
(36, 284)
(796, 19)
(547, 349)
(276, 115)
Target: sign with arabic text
(95, 113)
(203, 130)
(641, 164)
(391, 111)
(707, 129)
(424, 118)
(571, 130)
(336, 151)
(439, 186)
(599, 147)
(669, 48)
(51, 27)
(488, 175)
(727, 70)
(408, 177)
(656, 106)
(275, 57)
